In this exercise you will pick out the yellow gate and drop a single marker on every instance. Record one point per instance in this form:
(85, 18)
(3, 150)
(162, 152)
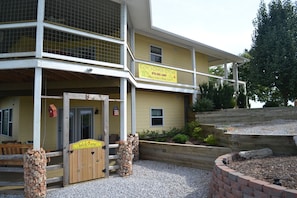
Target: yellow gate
(86, 160)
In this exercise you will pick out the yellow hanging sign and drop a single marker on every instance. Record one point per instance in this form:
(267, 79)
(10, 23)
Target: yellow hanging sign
(87, 143)
(157, 73)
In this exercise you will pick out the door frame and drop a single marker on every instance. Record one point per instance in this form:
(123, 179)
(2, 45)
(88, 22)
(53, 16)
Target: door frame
(66, 110)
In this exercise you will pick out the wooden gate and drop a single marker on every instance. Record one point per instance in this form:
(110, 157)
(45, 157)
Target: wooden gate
(86, 160)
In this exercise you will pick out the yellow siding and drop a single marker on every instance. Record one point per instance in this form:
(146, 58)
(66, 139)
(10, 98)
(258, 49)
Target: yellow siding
(171, 103)
(202, 66)
(171, 55)
(26, 119)
(114, 121)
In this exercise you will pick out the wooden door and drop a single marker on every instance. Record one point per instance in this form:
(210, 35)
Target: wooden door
(86, 160)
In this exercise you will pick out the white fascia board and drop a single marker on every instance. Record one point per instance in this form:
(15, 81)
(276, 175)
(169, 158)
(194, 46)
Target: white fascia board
(17, 54)
(18, 64)
(164, 88)
(88, 69)
(75, 67)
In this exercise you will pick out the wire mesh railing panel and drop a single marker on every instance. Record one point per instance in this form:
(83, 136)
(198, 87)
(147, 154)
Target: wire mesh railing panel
(18, 10)
(17, 40)
(68, 44)
(100, 16)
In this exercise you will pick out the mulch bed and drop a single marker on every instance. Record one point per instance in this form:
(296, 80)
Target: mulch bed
(270, 169)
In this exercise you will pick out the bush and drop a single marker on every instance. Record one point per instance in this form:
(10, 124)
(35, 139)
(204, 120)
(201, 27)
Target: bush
(225, 93)
(213, 97)
(203, 104)
(180, 138)
(241, 99)
(210, 140)
(193, 130)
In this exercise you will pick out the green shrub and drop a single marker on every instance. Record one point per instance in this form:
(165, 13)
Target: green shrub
(226, 97)
(241, 99)
(180, 138)
(193, 130)
(172, 132)
(210, 140)
(215, 97)
(203, 104)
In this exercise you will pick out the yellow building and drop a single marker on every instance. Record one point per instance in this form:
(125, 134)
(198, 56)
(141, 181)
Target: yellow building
(49, 48)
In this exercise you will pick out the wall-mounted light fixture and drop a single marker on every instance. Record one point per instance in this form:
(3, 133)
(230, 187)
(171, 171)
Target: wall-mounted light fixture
(115, 111)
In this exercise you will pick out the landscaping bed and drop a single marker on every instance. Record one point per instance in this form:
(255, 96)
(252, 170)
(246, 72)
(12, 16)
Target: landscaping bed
(276, 169)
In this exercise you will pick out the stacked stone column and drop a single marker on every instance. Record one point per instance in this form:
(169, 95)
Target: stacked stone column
(127, 152)
(125, 158)
(35, 173)
(134, 141)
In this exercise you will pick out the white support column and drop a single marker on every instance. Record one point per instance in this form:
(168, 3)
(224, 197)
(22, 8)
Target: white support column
(37, 108)
(124, 34)
(236, 78)
(123, 112)
(194, 96)
(40, 28)
(133, 109)
(225, 71)
(234, 75)
(133, 50)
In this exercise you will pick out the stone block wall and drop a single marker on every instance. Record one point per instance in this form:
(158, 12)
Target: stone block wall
(228, 183)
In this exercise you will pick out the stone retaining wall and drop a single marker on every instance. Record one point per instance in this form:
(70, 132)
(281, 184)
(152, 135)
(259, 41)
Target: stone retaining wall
(246, 116)
(228, 183)
(196, 156)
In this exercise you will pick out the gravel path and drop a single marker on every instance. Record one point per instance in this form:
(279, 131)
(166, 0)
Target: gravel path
(150, 179)
(275, 127)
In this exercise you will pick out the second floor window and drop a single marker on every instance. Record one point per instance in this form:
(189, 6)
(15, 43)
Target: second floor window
(156, 54)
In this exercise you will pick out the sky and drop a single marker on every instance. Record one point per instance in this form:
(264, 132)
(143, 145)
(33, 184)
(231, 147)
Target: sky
(223, 24)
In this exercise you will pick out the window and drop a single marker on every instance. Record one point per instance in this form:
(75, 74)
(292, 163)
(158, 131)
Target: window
(157, 117)
(80, 125)
(156, 54)
(6, 122)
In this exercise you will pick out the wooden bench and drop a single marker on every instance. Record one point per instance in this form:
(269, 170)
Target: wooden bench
(13, 149)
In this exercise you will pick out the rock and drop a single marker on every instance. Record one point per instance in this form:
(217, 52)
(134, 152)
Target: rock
(256, 154)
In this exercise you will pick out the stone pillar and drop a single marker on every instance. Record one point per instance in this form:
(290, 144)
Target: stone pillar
(134, 141)
(125, 158)
(35, 173)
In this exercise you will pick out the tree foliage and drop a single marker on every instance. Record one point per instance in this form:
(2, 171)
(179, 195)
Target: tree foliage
(273, 66)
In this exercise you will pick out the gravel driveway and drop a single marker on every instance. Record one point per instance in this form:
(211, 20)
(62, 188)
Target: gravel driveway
(150, 179)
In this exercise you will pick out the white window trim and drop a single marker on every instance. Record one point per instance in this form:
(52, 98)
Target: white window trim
(151, 117)
(160, 55)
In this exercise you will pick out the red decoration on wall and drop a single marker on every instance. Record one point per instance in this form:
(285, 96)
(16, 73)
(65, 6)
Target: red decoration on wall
(52, 111)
